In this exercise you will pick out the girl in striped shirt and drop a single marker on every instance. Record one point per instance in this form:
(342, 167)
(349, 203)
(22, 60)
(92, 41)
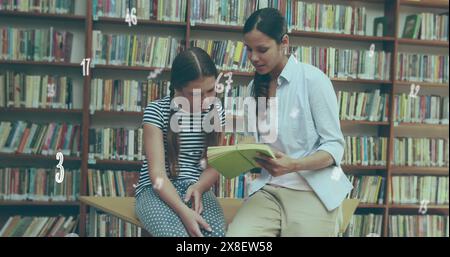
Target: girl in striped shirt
(173, 196)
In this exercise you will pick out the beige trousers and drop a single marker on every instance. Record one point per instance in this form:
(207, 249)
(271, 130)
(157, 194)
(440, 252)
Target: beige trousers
(276, 211)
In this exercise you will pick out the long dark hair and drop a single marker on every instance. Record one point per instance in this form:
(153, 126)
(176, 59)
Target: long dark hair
(272, 23)
(189, 65)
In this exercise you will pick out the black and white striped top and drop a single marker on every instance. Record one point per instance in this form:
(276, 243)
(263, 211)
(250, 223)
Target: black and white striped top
(191, 142)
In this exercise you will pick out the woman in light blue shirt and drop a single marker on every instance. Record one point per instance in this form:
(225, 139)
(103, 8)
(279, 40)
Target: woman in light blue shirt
(299, 192)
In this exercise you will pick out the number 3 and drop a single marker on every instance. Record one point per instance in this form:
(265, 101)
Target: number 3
(59, 176)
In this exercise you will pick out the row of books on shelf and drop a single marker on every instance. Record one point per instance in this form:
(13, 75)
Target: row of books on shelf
(368, 189)
(23, 184)
(233, 100)
(335, 18)
(421, 152)
(116, 144)
(405, 189)
(112, 183)
(160, 10)
(299, 15)
(418, 226)
(44, 139)
(134, 50)
(28, 226)
(224, 12)
(226, 54)
(360, 225)
(237, 187)
(104, 225)
(39, 6)
(339, 63)
(365, 150)
(371, 106)
(124, 144)
(422, 68)
(140, 50)
(421, 109)
(125, 95)
(415, 189)
(335, 63)
(426, 26)
(49, 45)
(17, 184)
(232, 55)
(35, 91)
(365, 226)
(370, 225)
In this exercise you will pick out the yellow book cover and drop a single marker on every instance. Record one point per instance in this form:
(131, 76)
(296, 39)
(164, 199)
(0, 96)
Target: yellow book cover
(210, 47)
(238, 52)
(134, 50)
(231, 161)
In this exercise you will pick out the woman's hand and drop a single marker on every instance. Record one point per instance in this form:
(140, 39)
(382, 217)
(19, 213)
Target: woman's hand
(194, 193)
(193, 221)
(282, 165)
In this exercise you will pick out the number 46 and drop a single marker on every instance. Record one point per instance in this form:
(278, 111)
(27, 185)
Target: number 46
(131, 18)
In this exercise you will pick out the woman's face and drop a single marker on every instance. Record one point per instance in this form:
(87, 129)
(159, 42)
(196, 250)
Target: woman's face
(263, 51)
(202, 88)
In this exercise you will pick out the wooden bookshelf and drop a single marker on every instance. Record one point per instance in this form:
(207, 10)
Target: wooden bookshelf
(391, 43)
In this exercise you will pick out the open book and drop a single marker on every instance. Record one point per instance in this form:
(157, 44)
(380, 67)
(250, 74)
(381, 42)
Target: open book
(231, 161)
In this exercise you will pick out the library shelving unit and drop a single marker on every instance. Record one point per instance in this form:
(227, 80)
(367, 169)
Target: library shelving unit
(88, 21)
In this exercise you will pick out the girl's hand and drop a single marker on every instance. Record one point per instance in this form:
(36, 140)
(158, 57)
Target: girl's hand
(282, 165)
(193, 221)
(195, 193)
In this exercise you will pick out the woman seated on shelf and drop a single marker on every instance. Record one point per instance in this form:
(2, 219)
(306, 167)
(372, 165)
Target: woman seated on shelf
(174, 196)
(300, 191)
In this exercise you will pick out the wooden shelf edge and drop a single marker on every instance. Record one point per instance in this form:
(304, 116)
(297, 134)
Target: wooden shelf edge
(38, 203)
(422, 84)
(420, 42)
(417, 206)
(114, 20)
(365, 122)
(428, 3)
(406, 125)
(65, 17)
(356, 167)
(294, 33)
(396, 170)
(36, 157)
(39, 63)
(40, 110)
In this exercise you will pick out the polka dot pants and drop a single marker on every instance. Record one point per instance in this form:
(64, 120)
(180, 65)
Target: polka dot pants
(161, 221)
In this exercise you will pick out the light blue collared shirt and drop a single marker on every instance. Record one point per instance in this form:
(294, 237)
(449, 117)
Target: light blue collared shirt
(308, 121)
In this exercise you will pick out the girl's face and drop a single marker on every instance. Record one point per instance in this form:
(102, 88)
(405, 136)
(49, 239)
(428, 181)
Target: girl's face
(201, 88)
(263, 51)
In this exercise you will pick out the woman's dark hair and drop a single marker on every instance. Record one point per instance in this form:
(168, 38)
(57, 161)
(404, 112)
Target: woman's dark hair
(272, 23)
(189, 65)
